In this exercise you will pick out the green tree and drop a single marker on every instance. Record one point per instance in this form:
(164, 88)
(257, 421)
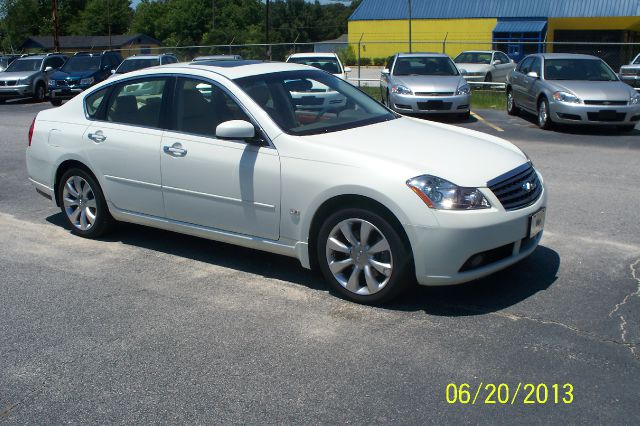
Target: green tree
(100, 16)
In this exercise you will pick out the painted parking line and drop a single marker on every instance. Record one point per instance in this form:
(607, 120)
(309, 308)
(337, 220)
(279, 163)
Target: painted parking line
(493, 126)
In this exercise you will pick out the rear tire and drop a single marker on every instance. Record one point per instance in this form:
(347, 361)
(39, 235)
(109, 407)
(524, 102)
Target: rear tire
(512, 109)
(544, 115)
(83, 204)
(363, 257)
(56, 102)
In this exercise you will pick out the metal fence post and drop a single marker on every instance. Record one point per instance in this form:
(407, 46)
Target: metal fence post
(359, 44)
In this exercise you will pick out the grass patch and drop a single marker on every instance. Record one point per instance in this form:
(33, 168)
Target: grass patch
(482, 99)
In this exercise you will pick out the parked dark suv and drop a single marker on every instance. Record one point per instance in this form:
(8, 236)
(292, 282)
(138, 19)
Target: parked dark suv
(27, 76)
(80, 72)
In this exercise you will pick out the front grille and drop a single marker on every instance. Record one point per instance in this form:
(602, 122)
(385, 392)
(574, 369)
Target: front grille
(518, 188)
(61, 82)
(610, 116)
(606, 102)
(434, 93)
(3, 83)
(8, 83)
(434, 106)
(630, 71)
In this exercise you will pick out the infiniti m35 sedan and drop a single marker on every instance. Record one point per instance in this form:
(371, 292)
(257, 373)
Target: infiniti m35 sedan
(571, 89)
(372, 199)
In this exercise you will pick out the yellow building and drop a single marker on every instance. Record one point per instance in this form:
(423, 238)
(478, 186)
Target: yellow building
(518, 27)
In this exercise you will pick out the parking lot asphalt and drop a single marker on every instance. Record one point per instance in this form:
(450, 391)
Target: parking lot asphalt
(148, 326)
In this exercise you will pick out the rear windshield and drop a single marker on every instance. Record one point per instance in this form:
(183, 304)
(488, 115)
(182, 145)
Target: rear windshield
(473, 58)
(82, 63)
(578, 69)
(20, 65)
(137, 64)
(325, 64)
(427, 65)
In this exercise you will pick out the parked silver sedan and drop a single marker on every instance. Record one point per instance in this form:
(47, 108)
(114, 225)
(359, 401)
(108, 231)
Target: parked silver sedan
(427, 83)
(571, 89)
(485, 65)
(630, 74)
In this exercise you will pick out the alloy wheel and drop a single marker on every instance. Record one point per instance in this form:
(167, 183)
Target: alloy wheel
(359, 256)
(543, 114)
(79, 203)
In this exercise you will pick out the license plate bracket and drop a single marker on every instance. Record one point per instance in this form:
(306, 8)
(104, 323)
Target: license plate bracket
(536, 222)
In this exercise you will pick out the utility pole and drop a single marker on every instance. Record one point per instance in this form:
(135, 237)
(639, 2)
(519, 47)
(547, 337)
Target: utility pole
(109, 20)
(213, 14)
(268, 52)
(54, 18)
(410, 44)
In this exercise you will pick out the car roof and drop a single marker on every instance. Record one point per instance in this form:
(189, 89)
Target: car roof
(565, 56)
(214, 57)
(146, 56)
(422, 55)
(480, 51)
(313, 55)
(231, 71)
(36, 56)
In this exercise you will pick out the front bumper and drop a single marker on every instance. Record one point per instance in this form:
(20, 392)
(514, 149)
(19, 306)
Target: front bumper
(442, 254)
(18, 91)
(478, 77)
(595, 114)
(410, 104)
(67, 92)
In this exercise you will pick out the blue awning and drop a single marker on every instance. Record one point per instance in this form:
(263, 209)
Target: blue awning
(520, 26)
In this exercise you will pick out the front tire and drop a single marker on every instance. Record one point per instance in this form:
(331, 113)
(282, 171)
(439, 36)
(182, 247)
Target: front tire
(512, 109)
(544, 115)
(363, 257)
(83, 204)
(40, 92)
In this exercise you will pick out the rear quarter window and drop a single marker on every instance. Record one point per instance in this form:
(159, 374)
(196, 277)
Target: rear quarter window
(93, 102)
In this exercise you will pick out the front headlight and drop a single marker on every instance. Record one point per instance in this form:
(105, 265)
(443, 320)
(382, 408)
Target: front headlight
(441, 194)
(566, 97)
(464, 90)
(52, 83)
(86, 81)
(401, 90)
(635, 99)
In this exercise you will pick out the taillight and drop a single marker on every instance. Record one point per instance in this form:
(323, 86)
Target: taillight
(33, 123)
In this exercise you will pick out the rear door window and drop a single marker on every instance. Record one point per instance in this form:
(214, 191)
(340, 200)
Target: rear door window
(137, 102)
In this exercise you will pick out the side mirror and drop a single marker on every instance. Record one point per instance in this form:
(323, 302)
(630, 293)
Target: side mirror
(47, 69)
(533, 74)
(113, 71)
(512, 61)
(463, 71)
(236, 129)
(347, 69)
(497, 62)
(385, 71)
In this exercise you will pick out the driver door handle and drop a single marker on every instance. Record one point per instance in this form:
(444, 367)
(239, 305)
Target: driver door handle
(175, 150)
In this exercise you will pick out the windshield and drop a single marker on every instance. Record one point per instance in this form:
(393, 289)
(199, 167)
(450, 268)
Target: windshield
(578, 69)
(425, 65)
(313, 102)
(473, 58)
(20, 65)
(325, 64)
(82, 63)
(4, 62)
(137, 64)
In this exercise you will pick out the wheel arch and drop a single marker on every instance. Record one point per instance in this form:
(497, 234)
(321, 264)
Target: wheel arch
(62, 168)
(344, 201)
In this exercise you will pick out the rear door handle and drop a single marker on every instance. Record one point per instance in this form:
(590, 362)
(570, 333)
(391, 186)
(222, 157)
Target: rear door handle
(175, 150)
(97, 137)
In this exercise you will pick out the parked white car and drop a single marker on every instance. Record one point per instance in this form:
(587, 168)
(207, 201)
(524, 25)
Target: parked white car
(369, 197)
(485, 65)
(329, 62)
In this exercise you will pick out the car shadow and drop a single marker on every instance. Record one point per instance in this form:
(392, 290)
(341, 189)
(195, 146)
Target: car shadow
(579, 129)
(445, 118)
(498, 291)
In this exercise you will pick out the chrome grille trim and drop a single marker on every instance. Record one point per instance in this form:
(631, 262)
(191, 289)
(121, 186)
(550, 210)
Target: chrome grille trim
(510, 191)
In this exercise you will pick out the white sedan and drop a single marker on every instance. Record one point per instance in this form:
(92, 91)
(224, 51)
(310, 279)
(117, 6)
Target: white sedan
(372, 199)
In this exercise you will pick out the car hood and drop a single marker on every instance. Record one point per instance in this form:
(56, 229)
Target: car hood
(61, 75)
(596, 90)
(17, 75)
(474, 67)
(410, 147)
(430, 83)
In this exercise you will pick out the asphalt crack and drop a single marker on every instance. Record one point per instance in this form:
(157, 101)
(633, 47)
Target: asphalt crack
(633, 346)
